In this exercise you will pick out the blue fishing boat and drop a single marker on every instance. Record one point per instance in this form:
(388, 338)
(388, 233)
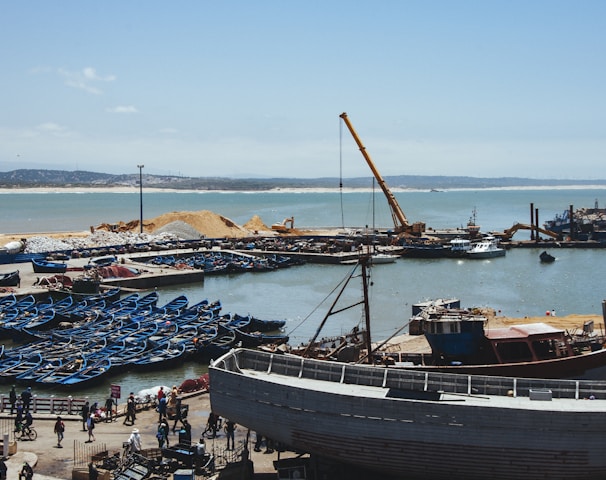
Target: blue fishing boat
(57, 375)
(221, 343)
(255, 339)
(7, 318)
(7, 301)
(259, 325)
(164, 355)
(87, 375)
(42, 320)
(46, 266)
(40, 370)
(131, 351)
(10, 279)
(25, 303)
(23, 364)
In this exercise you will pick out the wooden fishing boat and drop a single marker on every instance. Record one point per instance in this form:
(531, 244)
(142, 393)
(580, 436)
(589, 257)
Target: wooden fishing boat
(259, 325)
(415, 425)
(40, 370)
(88, 375)
(221, 343)
(7, 301)
(251, 339)
(25, 303)
(46, 266)
(42, 320)
(10, 279)
(461, 343)
(131, 351)
(163, 355)
(7, 318)
(23, 364)
(68, 368)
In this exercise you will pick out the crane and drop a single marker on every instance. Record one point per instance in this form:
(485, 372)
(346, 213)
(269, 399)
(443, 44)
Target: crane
(400, 221)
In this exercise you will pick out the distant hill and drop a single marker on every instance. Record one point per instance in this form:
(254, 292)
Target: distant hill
(29, 178)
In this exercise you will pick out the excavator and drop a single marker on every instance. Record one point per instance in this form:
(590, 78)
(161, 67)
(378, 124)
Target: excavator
(509, 233)
(401, 224)
(285, 226)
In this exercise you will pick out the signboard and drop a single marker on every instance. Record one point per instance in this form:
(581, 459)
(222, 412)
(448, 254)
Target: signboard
(115, 391)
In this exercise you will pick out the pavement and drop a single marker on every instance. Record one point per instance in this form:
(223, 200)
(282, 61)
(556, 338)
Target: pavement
(52, 463)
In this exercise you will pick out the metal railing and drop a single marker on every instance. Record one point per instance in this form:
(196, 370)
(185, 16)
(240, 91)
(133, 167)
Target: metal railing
(50, 405)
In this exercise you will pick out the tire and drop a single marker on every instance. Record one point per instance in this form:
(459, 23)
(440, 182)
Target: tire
(32, 434)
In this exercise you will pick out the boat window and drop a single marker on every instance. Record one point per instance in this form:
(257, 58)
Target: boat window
(512, 352)
(454, 327)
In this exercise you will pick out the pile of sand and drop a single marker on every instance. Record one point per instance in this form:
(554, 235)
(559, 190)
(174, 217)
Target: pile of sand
(207, 223)
(255, 224)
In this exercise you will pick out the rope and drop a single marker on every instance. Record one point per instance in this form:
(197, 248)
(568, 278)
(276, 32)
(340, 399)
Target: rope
(345, 279)
(341, 171)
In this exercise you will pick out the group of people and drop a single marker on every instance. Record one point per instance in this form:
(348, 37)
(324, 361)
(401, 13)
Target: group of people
(26, 472)
(22, 401)
(21, 408)
(169, 406)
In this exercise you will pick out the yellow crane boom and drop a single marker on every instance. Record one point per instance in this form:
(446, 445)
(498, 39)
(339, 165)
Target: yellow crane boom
(399, 219)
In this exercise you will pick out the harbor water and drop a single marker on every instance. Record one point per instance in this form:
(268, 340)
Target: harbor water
(517, 285)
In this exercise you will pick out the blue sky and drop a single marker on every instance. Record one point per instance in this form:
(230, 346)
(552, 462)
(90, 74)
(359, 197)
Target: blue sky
(255, 88)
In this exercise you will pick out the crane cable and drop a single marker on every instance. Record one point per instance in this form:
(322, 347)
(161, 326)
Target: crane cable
(341, 171)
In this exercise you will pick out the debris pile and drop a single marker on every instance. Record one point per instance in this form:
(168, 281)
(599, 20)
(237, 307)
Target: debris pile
(169, 227)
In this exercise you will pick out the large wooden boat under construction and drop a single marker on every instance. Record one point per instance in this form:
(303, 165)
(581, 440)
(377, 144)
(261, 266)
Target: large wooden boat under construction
(416, 425)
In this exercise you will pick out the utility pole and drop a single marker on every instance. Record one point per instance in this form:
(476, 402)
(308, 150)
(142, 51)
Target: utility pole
(140, 167)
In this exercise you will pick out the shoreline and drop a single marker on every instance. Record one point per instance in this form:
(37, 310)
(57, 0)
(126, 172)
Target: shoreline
(135, 190)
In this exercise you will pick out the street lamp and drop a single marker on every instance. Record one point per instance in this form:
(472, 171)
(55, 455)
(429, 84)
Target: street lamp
(140, 167)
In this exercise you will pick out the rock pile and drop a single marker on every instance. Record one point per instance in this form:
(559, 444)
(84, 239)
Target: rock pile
(101, 238)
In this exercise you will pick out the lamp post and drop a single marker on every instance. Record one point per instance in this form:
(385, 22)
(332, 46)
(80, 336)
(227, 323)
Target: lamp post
(140, 167)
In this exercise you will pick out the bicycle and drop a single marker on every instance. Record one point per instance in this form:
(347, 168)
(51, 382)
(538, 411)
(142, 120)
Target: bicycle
(59, 407)
(23, 432)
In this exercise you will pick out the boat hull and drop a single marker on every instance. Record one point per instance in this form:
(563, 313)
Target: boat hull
(353, 420)
(587, 366)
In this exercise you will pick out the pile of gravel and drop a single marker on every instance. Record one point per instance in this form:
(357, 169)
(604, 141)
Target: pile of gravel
(179, 229)
(101, 238)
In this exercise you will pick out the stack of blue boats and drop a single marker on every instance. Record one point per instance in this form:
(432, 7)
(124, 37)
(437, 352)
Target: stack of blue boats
(219, 262)
(71, 343)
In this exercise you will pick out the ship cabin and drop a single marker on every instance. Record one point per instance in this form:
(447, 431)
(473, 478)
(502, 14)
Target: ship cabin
(528, 343)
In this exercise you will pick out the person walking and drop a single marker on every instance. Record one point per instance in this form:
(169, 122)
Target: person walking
(185, 433)
(178, 414)
(109, 410)
(172, 398)
(84, 413)
(162, 434)
(12, 398)
(230, 430)
(211, 424)
(90, 426)
(26, 398)
(19, 417)
(59, 429)
(130, 409)
(135, 441)
(161, 408)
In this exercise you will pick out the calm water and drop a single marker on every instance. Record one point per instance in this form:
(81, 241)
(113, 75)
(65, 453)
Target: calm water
(518, 284)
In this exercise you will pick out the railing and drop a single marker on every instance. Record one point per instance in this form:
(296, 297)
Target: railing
(400, 379)
(51, 405)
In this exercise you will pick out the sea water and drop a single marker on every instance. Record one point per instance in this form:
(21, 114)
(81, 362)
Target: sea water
(516, 285)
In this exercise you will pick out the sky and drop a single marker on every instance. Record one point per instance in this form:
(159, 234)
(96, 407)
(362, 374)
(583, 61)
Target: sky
(254, 88)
